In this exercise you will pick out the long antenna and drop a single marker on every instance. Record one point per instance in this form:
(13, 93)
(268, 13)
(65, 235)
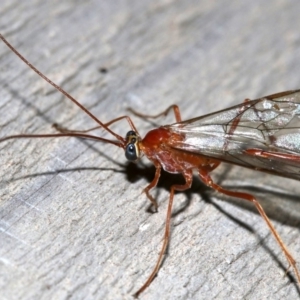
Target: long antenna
(78, 135)
(60, 89)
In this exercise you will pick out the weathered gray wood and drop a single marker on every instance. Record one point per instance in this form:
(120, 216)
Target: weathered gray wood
(73, 222)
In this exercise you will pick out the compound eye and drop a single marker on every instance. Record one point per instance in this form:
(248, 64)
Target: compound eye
(130, 152)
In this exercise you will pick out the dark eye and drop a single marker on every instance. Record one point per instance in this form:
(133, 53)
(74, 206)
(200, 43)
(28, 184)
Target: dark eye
(130, 152)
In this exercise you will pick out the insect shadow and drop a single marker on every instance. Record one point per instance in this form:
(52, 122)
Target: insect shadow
(136, 172)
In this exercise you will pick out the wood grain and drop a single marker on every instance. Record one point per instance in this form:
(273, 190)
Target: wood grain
(73, 221)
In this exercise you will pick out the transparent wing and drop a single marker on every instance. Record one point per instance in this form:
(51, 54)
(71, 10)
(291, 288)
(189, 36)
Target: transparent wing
(263, 134)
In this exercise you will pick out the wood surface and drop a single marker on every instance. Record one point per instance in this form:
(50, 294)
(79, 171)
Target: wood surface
(73, 221)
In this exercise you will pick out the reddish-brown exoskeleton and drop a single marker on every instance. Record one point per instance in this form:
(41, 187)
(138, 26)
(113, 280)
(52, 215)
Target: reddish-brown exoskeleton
(262, 134)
